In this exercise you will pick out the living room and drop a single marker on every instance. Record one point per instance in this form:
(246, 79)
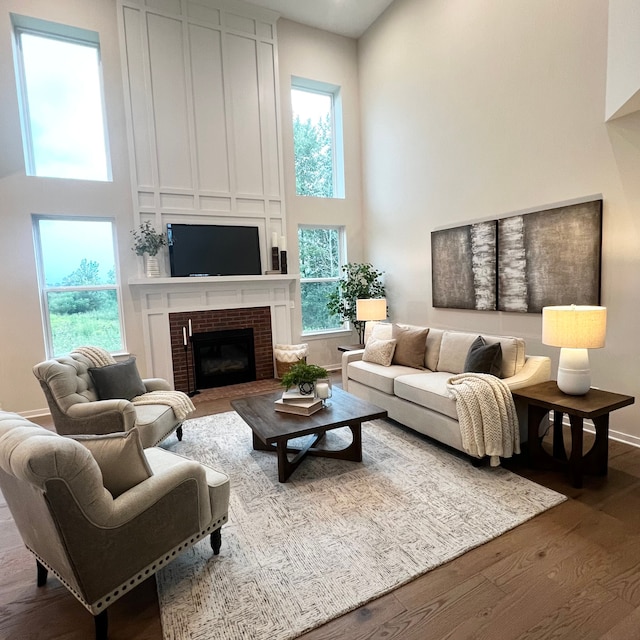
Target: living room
(453, 112)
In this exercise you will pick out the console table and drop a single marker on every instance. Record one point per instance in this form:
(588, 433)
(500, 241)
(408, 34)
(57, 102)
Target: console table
(595, 405)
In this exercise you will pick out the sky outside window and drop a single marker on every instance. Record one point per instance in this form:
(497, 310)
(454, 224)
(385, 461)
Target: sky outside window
(64, 108)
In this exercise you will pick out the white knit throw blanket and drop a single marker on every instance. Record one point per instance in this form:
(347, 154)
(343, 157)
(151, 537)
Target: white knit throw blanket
(487, 415)
(180, 402)
(98, 356)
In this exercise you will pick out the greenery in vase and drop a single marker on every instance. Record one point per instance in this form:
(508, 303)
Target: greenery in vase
(301, 373)
(359, 281)
(147, 240)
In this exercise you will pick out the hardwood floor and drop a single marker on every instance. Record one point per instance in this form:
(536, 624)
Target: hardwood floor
(571, 573)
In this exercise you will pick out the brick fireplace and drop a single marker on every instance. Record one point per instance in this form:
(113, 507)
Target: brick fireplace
(256, 318)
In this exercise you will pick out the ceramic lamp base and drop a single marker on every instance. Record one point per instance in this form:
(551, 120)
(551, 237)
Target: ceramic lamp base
(574, 374)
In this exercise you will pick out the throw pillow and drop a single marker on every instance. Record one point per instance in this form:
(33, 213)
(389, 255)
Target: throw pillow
(411, 344)
(484, 358)
(120, 380)
(121, 459)
(379, 351)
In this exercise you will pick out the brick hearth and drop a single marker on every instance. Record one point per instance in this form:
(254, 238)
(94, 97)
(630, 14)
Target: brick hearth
(256, 318)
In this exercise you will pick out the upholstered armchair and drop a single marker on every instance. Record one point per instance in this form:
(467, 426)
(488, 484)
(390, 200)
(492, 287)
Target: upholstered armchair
(101, 513)
(76, 407)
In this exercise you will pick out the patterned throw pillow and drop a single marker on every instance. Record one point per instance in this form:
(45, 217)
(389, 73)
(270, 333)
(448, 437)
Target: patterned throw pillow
(484, 358)
(379, 351)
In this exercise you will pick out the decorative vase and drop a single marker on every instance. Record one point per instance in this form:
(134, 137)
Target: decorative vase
(306, 388)
(152, 267)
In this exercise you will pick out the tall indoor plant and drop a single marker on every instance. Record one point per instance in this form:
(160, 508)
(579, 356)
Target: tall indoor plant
(147, 242)
(359, 280)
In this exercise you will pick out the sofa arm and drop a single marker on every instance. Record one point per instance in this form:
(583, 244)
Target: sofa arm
(347, 357)
(104, 416)
(156, 384)
(536, 369)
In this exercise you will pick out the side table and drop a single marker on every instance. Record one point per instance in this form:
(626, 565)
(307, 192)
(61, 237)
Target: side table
(595, 405)
(350, 347)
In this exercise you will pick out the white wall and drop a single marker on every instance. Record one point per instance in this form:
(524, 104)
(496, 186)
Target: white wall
(21, 337)
(325, 57)
(477, 110)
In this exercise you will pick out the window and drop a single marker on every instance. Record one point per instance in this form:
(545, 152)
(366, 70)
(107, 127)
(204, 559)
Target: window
(60, 88)
(321, 260)
(80, 297)
(317, 139)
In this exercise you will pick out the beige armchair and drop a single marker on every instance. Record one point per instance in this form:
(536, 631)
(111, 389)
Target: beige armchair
(101, 513)
(76, 408)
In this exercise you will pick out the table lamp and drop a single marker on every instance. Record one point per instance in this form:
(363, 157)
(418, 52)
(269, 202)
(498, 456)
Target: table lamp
(575, 329)
(370, 310)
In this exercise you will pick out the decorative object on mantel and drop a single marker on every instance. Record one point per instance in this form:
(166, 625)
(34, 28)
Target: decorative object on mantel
(275, 253)
(574, 329)
(303, 376)
(283, 254)
(147, 242)
(359, 281)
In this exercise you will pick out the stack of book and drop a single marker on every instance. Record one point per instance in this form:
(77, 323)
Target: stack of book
(293, 401)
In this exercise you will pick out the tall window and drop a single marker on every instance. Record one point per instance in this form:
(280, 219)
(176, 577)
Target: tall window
(60, 87)
(321, 258)
(317, 139)
(80, 296)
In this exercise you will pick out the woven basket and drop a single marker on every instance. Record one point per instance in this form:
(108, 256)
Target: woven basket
(287, 355)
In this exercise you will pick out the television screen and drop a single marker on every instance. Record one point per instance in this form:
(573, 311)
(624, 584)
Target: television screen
(213, 250)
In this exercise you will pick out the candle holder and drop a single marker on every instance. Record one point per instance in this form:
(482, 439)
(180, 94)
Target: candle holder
(195, 391)
(323, 391)
(283, 262)
(275, 259)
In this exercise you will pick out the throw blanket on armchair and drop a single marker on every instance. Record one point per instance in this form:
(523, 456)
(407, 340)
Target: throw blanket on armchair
(180, 402)
(487, 415)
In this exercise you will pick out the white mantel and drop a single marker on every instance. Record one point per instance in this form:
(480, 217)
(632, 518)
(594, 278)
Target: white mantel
(158, 297)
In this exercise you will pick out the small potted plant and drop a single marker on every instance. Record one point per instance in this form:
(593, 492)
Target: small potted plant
(147, 242)
(303, 376)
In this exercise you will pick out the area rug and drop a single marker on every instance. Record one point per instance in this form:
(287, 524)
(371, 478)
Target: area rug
(334, 537)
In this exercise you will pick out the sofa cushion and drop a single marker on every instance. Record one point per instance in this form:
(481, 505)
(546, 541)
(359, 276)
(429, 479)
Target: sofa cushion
(455, 346)
(434, 340)
(120, 380)
(428, 390)
(411, 345)
(376, 375)
(484, 358)
(379, 351)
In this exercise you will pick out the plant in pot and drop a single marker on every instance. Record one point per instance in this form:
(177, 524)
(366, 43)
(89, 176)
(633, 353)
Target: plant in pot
(303, 376)
(360, 280)
(147, 241)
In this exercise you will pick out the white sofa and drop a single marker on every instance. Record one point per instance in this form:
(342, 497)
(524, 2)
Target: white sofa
(418, 397)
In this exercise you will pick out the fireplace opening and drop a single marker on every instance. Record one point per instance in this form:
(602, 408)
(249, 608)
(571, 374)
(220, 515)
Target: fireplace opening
(223, 357)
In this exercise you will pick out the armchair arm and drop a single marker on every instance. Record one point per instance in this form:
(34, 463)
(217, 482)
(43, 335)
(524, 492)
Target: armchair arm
(156, 384)
(347, 357)
(104, 416)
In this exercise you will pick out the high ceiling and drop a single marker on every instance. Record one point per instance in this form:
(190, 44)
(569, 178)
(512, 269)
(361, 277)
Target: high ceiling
(347, 17)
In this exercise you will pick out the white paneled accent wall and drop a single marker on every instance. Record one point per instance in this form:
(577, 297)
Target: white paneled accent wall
(201, 82)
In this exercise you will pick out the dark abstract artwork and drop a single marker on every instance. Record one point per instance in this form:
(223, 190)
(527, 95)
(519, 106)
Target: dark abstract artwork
(520, 263)
(463, 267)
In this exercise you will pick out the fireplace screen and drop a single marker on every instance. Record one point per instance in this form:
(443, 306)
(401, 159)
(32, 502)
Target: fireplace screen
(223, 357)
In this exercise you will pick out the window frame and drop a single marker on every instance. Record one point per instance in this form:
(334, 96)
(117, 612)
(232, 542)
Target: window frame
(44, 290)
(64, 33)
(342, 259)
(337, 131)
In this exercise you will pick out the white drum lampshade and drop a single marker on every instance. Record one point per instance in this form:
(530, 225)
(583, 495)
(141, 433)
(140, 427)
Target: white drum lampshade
(370, 310)
(575, 329)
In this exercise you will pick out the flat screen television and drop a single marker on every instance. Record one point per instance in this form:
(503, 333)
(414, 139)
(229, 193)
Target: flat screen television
(213, 250)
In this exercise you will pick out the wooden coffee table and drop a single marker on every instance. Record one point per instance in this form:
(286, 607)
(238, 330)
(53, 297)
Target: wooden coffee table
(272, 429)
